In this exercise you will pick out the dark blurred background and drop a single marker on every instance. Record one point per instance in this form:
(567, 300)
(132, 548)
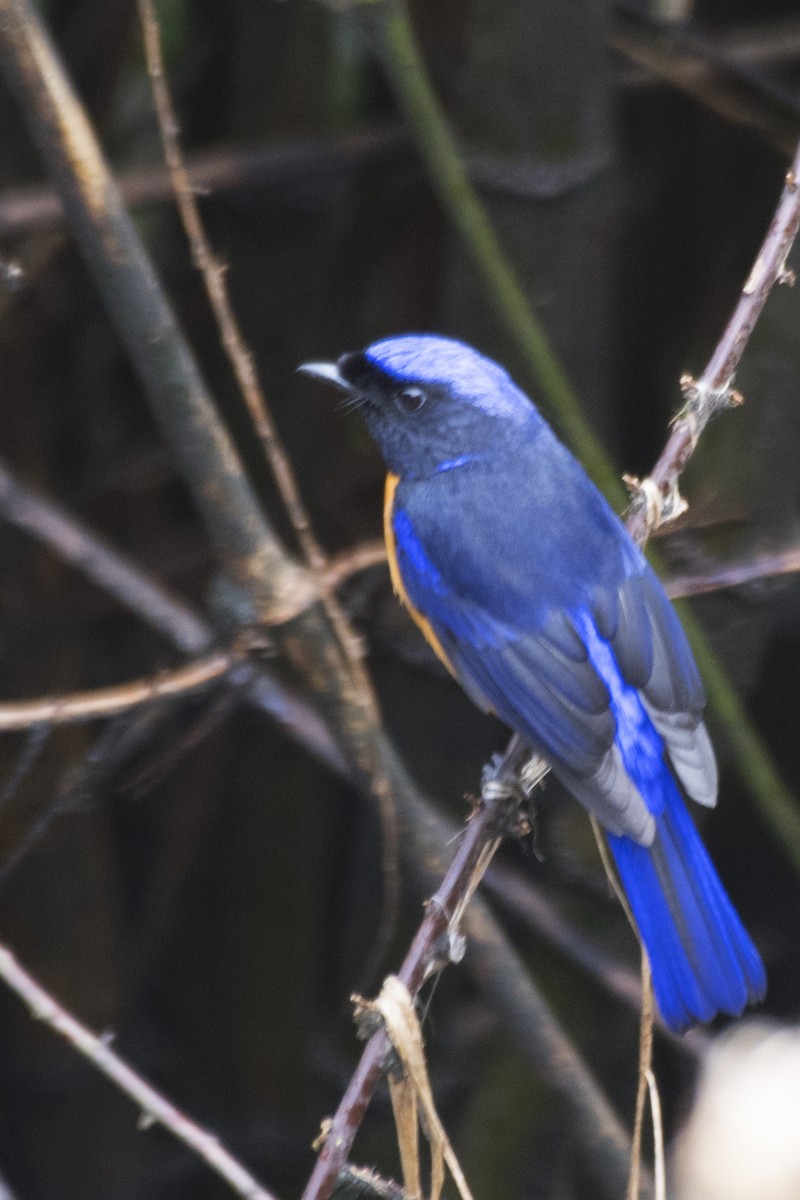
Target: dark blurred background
(212, 895)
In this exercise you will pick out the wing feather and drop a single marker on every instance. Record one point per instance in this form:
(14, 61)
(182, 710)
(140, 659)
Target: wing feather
(525, 656)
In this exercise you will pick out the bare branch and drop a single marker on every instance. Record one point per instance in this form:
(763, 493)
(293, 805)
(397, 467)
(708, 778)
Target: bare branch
(213, 273)
(155, 1108)
(709, 73)
(158, 608)
(107, 702)
(33, 209)
(658, 498)
(438, 941)
(76, 544)
(350, 562)
(714, 578)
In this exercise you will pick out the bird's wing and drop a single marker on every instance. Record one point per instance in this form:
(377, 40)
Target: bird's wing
(532, 663)
(653, 655)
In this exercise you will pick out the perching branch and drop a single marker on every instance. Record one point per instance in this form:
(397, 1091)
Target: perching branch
(438, 941)
(155, 1108)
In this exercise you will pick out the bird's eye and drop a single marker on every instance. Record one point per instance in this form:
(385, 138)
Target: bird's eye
(410, 400)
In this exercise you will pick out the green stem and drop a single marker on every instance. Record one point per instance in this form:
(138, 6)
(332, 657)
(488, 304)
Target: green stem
(437, 144)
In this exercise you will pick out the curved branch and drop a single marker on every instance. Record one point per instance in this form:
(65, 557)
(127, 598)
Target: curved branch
(109, 701)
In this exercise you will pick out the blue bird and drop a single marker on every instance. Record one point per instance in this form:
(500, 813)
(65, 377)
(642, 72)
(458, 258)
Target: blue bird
(531, 592)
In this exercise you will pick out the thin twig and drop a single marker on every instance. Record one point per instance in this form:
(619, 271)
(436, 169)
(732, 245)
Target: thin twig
(243, 365)
(108, 701)
(157, 607)
(659, 1162)
(155, 1108)
(645, 1074)
(76, 544)
(350, 562)
(645, 1015)
(755, 569)
(32, 748)
(35, 209)
(213, 273)
(669, 57)
(523, 899)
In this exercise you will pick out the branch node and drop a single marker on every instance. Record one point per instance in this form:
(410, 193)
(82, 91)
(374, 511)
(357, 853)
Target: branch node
(702, 401)
(646, 497)
(322, 1137)
(366, 1016)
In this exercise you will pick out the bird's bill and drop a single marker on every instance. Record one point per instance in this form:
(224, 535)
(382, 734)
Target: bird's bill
(329, 372)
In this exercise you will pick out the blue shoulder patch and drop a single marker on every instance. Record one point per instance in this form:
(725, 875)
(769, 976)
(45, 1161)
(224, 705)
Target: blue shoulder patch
(423, 573)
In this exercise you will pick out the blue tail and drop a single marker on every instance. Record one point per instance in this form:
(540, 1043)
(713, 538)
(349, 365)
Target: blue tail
(702, 960)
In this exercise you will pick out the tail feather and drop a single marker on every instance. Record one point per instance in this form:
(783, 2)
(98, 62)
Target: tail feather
(701, 957)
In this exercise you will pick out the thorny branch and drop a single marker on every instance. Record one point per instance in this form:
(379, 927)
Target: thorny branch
(658, 499)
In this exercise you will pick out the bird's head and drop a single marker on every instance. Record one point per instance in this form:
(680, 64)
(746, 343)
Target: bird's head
(430, 403)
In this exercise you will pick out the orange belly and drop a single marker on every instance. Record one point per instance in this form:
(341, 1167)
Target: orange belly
(397, 581)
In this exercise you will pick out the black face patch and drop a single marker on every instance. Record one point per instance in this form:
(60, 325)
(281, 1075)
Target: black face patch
(362, 374)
